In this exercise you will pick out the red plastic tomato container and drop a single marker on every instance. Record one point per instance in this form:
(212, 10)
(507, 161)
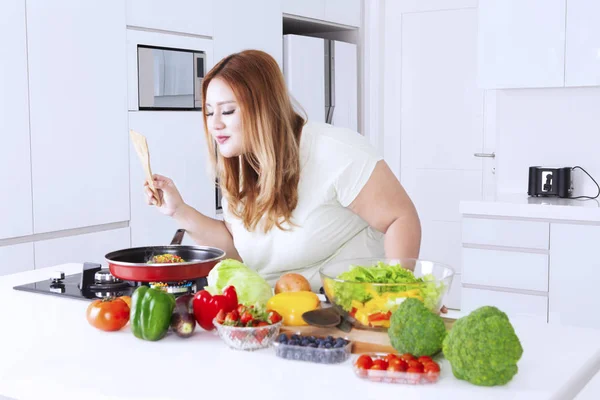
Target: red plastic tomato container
(385, 376)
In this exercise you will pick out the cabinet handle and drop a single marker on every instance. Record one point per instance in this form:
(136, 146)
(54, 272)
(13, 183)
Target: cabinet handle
(490, 155)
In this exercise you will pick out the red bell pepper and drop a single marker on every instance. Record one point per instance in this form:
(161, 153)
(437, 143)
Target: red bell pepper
(380, 316)
(206, 306)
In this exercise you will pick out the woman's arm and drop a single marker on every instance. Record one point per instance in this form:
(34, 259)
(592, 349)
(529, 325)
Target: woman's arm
(206, 231)
(385, 206)
(203, 230)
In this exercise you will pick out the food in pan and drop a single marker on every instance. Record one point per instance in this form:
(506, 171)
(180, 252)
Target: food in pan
(166, 259)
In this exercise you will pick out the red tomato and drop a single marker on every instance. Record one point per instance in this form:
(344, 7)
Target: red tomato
(364, 362)
(424, 359)
(432, 376)
(414, 370)
(391, 357)
(380, 364)
(407, 357)
(108, 315)
(416, 365)
(401, 364)
(431, 367)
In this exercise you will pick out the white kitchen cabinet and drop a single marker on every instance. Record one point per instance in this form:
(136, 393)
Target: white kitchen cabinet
(304, 8)
(507, 233)
(178, 150)
(346, 12)
(90, 247)
(78, 112)
(15, 163)
(16, 258)
(521, 43)
(184, 16)
(574, 272)
(241, 25)
(583, 43)
(505, 269)
(515, 305)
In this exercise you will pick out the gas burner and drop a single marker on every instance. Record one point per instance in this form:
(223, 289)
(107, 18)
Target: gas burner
(104, 276)
(182, 287)
(106, 282)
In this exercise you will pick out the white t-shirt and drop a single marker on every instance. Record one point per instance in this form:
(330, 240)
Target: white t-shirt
(335, 165)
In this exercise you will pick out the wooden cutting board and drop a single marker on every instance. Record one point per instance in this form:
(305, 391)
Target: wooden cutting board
(364, 341)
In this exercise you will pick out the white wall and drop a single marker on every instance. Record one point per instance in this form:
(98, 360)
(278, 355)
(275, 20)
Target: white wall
(548, 127)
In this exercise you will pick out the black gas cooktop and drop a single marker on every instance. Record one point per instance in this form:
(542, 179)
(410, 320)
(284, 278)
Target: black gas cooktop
(94, 282)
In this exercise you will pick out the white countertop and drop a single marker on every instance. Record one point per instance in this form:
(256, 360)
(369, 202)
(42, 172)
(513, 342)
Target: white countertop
(48, 350)
(523, 206)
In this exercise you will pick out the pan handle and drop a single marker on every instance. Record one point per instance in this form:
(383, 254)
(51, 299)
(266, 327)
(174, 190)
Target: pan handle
(178, 238)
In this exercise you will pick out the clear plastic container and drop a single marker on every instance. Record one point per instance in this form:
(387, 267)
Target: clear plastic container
(248, 338)
(407, 378)
(320, 355)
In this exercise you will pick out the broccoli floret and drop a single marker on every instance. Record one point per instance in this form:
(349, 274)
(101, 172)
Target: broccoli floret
(415, 329)
(482, 348)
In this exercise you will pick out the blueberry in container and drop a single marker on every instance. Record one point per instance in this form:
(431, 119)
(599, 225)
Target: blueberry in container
(322, 350)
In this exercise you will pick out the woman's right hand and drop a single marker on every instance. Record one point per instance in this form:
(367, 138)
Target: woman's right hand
(170, 198)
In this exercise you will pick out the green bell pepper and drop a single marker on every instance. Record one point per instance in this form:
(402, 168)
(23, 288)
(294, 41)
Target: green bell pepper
(151, 311)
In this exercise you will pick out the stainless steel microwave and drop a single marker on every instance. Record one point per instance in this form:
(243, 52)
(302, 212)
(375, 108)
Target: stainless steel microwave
(170, 79)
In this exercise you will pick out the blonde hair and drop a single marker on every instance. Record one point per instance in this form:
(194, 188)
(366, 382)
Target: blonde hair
(262, 182)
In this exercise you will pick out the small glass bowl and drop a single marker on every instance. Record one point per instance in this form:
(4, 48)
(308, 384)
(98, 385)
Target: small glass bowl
(248, 338)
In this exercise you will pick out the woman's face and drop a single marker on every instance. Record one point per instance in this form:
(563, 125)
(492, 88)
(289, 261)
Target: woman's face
(224, 118)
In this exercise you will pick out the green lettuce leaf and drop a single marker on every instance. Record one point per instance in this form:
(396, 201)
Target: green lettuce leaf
(345, 292)
(250, 287)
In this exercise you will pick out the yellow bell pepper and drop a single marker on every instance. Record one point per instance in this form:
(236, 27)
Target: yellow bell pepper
(291, 306)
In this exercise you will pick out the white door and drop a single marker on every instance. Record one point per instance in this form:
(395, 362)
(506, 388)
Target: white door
(304, 70)
(346, 86)
(442, 126)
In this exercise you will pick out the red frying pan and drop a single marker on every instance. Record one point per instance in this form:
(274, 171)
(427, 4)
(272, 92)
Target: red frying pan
(135, 264)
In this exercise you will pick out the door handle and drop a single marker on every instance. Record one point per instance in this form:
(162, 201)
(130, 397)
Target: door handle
(489, 155)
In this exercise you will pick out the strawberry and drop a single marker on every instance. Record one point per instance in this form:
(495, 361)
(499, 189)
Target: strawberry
(245, 317)
(241, 309)
(273, 317)
(231, 319)
(260, 334)
(221, 316)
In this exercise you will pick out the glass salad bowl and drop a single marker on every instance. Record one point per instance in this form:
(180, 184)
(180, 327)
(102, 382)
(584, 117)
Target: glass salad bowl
(366, 291)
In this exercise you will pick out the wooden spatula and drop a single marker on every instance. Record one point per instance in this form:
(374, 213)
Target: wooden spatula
(141, 148)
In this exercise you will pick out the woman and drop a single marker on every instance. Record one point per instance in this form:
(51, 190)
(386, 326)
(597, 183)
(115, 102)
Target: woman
(296, 194)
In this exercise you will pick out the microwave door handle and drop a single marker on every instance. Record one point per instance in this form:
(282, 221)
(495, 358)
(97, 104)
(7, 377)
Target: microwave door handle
(199, 70)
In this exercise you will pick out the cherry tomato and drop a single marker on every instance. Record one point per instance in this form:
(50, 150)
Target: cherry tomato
(414, 370)
(424, 359)
(380, 364)
(407, 357)
(109, 314)
(415, 364)
(431, 367)
(364, 362)
(432, 376)
(390, 357)
(394, 368)
(398, 362)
